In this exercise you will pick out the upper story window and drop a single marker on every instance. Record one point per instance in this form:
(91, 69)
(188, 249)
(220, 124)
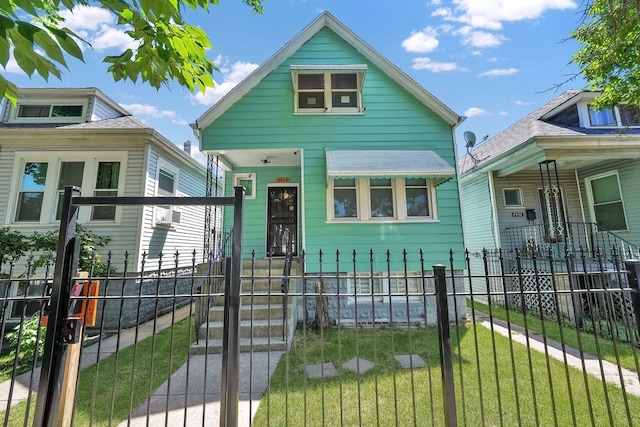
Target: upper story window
(620, 116)
(40, 186)
(167, 181)
(323, 89)
(37, 111)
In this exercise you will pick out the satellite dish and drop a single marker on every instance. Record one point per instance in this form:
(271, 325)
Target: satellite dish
(470, 137)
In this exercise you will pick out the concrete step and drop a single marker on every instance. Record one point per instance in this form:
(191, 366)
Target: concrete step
(214, 345)
(248, 328)
(259, 298)
(258, 312)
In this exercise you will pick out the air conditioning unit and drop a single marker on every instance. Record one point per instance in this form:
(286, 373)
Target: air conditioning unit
(167, 216)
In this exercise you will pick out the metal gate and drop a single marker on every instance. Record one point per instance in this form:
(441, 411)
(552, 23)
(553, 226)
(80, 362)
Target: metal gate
(60, 362)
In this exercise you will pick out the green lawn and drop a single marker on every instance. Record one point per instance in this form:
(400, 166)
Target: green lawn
(389, 395)
(110, 390)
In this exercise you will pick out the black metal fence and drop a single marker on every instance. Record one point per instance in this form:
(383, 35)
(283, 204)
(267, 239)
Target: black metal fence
(433, 345)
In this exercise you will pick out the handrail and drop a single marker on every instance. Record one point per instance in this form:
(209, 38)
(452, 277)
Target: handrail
(285, 285)
(586, 236)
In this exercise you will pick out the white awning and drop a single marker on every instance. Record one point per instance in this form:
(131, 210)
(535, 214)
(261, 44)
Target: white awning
(389, 164)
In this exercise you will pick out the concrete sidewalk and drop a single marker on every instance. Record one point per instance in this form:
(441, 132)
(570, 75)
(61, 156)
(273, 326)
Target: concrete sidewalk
(90, 355)
(192, 395)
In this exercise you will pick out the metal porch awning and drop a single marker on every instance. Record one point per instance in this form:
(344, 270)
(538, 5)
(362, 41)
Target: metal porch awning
(388, 164)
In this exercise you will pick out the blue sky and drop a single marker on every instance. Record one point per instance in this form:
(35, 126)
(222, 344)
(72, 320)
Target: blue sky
(493, 61)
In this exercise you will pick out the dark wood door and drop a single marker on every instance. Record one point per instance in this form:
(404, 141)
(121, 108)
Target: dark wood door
(282, 221)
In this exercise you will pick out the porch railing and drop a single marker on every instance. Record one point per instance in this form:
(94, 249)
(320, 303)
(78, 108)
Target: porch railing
(585, 237)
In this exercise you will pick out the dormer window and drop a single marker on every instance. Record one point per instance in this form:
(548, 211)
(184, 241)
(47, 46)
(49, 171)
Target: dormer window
(321, 89)
(41, 111)
(621, 116)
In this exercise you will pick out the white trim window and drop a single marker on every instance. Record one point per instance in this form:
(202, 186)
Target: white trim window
(512, 197)
(167, 186)
(41, 111)
(619, 116)
(248, 181)
(324, 89)
(378, 288)
(381, 199)
(605, 201)
(41, 181)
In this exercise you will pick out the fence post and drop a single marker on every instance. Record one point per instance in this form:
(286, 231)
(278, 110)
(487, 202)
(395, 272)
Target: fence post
(52, 375)
(444, 335)
(231, 334)
(633, 268)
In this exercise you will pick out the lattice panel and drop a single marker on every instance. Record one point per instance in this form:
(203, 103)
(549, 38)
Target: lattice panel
(536, 283)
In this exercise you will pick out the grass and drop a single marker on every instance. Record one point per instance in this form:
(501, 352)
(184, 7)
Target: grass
(490, 390)
(615, 352)
(110, 390)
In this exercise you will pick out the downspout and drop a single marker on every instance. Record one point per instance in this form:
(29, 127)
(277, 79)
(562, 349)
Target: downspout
(302, 204)
(494, 211)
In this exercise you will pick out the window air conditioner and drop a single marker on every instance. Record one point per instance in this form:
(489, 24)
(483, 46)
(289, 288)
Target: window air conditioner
(167, 216)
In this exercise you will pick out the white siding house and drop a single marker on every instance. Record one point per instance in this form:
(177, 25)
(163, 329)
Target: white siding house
(57, 137)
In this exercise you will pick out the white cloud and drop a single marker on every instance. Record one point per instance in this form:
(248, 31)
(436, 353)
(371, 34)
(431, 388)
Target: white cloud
(522, 103)
(12, 66)
(436, 67)
(231, 75)
(109, 37)
(490, 14)
(496, 72)
(503, 113)
(151, 111)
(479, 39)
(89, 18)
(422, 41)
(475, 111)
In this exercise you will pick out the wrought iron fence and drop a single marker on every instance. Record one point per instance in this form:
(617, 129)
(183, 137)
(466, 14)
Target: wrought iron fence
(363, 345)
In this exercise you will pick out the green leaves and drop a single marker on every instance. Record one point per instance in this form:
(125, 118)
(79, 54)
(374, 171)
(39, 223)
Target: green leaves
(167, 47)
(609, 57)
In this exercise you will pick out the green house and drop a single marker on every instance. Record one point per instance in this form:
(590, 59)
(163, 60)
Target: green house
(339, 151)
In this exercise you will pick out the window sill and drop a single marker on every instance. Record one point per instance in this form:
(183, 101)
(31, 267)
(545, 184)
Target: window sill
(332, 113)
(383, 221)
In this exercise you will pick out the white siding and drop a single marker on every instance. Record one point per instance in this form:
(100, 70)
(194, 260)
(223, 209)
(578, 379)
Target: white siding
(184, 237)
(102, 111)
(123, 234)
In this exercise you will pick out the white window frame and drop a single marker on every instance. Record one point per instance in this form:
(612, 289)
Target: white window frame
(363, 199)
(237, 177)
(592, 210)
(584, 112)
(520, 197)
(328, 71)
(169, 169)
(15, 118)
(50, 197)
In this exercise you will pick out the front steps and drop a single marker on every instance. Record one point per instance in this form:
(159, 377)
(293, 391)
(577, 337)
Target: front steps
(262, 326)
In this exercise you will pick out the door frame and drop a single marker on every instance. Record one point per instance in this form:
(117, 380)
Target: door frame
(266, 213)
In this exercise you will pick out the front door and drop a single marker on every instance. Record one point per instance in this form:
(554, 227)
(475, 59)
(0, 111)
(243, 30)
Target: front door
(282, 221)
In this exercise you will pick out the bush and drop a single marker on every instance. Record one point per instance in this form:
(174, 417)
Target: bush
(29, 338)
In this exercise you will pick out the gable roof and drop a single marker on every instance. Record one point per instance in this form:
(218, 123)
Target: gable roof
(531, 128)
(326, 20)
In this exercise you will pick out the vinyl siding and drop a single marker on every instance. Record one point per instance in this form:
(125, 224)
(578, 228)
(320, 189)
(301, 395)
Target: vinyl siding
(530, 183)
(393, 119)
(123, 233)
(102, 111)
(629, 173)
(184, 237)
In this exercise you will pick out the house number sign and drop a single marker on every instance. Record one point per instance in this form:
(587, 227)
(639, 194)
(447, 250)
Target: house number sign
(283, 179)
(517, 213)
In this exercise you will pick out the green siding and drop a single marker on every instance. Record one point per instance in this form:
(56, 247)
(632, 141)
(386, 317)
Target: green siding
(394, 119)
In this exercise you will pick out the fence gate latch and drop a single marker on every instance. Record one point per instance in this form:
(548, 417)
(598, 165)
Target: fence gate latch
(71, 330)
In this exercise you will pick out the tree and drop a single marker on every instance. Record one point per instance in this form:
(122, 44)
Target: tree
(33, 33)
(609, 57)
